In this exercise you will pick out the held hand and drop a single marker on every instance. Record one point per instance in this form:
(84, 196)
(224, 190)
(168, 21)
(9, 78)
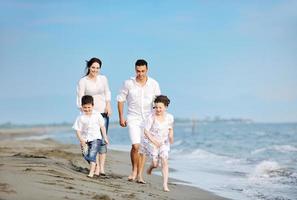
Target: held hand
(108, 111)
(123, 122)
(157, 144)
(106, 140)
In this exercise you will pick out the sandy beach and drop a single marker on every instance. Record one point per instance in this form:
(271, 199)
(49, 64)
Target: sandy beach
(45, 169)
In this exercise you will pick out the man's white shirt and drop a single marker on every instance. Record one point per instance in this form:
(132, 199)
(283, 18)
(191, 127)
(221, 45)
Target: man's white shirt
(139, 98)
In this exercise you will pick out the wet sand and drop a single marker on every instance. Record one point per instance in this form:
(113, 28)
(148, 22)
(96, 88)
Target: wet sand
(45, 169)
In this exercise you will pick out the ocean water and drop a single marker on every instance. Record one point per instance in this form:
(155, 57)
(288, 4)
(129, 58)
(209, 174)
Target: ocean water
(238, 161)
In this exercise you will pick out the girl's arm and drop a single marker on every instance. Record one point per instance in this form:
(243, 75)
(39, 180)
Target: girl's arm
(103, 132)
(152, 138)
(171, 135)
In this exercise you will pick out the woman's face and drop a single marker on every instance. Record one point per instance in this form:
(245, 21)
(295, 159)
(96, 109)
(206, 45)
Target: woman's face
(160, 108)
(94, 69)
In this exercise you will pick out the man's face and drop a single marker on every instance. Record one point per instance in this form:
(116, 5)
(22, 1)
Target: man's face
(141, 72)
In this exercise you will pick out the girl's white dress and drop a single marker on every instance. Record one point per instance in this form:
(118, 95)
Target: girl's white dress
(159, 130)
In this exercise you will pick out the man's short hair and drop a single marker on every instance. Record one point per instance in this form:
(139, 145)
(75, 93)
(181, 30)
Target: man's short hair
(140, 62)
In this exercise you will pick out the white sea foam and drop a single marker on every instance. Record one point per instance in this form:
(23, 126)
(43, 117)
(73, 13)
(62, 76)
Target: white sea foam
(285, 148)
(265, 169)
(279, 148)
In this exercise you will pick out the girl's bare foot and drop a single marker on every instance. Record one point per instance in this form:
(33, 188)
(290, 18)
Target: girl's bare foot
(149, 170)
(165, 188)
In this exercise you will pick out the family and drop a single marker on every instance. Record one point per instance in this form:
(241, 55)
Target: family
(149, 125)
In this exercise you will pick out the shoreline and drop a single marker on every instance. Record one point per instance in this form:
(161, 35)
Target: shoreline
(31, 169)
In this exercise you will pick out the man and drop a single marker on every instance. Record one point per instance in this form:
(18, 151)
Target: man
(139, 92)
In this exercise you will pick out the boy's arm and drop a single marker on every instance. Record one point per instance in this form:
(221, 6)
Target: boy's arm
(152, 138)
(81, 140)
(103, 132)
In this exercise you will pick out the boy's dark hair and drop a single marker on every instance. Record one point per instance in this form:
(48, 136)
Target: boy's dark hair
(162, 99)
(140, 62)
(87, 99)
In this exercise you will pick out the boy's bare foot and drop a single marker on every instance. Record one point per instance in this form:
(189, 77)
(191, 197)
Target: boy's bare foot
(131, 178)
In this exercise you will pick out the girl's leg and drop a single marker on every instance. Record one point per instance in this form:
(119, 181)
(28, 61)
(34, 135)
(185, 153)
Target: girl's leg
(165, 174)
(154, 164)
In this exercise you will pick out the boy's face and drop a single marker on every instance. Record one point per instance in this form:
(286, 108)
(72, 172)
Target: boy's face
(160, 108)
(87, 108)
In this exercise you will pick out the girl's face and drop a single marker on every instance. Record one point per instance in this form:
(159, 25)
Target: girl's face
(94, 69)
(160, 108)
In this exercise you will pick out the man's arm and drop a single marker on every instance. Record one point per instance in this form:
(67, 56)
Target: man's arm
(122, 120)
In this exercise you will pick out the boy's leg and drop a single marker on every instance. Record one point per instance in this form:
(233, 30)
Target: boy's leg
(97, 169)
(92, 169)
(93, 151)
(165, 174)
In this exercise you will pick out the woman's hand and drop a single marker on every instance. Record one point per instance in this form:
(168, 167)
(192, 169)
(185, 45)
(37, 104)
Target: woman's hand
(108, 109)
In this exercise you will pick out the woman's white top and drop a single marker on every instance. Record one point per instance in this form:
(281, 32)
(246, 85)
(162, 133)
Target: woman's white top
(98, 88)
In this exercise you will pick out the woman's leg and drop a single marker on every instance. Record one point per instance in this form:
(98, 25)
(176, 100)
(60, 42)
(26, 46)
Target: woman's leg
(103, 148)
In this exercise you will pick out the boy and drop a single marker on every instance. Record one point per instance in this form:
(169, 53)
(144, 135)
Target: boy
(88, 126)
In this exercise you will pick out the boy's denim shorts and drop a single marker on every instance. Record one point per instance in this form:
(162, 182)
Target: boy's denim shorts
(103, 146)
(93, 150)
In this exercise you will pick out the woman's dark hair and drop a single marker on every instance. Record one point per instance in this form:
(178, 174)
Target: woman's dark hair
(87, 99)
(162, 99)
(90, 62)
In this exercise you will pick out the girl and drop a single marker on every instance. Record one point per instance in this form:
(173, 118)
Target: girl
(158, 135)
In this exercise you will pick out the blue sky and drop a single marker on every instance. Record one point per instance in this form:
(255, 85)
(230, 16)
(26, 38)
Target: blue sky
(234, 59)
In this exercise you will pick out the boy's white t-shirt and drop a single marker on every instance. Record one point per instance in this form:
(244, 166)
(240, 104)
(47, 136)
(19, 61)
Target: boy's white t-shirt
(89, 126)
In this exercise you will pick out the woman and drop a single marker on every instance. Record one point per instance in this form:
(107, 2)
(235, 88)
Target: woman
(96, 85)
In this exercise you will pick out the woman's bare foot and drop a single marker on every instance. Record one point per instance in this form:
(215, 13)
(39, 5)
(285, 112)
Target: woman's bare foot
(140, 180)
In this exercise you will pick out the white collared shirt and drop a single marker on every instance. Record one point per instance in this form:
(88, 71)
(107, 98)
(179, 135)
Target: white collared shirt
(98, 89)
(89, 126)
(139, 98)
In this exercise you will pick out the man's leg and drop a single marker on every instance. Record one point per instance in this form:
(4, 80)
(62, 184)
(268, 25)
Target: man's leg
(141, 162)
(134, 155)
